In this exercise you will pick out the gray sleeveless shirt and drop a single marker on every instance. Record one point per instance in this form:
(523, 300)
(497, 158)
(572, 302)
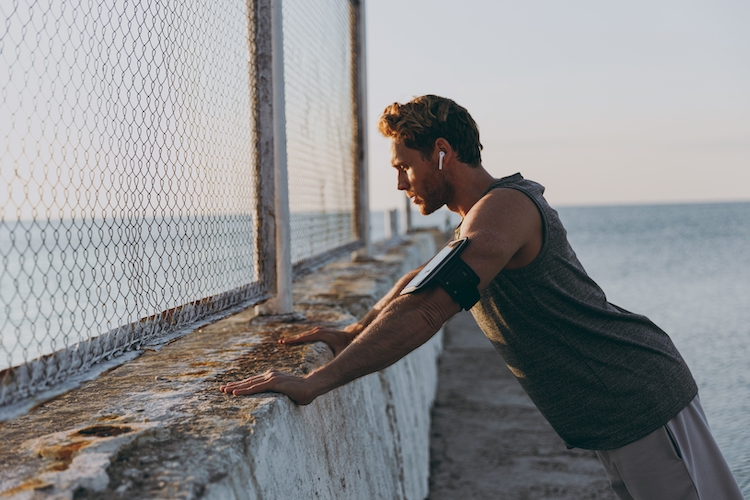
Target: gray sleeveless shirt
(602, 376)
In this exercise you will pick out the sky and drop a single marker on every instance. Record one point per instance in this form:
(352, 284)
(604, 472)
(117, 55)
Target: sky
(603, 103)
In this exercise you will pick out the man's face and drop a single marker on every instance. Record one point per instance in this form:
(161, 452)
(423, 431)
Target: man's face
(423, 182)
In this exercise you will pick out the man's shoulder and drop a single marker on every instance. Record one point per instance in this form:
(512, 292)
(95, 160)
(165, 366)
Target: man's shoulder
(518, 181)
(505, 230)
(502, 207)
(508, 197)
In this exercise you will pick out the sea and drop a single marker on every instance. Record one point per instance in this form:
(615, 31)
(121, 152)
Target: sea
(686, 267)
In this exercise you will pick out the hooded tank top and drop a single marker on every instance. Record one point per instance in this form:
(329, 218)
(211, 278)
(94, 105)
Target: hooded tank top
(602, 376)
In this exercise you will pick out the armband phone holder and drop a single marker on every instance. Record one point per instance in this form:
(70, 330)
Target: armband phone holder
(448, 270)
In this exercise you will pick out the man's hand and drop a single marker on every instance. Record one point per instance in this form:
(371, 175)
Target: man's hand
(297, 388)
(407, 322)
(346, 367)
(337, 340)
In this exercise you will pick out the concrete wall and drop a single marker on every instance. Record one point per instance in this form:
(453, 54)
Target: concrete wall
(157, 427)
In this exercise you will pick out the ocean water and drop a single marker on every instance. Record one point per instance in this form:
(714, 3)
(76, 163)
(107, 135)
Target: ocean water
(442, 219)
(65, 281)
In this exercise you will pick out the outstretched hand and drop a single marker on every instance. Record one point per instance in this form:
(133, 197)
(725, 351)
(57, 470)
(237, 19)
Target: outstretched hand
(297, 388)
(293, 386)
(337, 340)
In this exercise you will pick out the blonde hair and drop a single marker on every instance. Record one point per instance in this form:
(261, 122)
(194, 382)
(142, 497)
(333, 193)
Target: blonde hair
(421, 121)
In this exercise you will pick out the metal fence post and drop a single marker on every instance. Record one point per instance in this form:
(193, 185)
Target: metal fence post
(408, 228)
(390, 224)
(361, 184)
(282, 303)
(264, 143)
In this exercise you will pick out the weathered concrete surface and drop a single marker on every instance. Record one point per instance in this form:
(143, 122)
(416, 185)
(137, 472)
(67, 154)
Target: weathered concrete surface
(488, 439)
(158, 427)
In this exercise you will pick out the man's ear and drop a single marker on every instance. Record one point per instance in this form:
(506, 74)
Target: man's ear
(443, 152)
(441, 145)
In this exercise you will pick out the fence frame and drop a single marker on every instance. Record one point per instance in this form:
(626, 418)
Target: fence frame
(361, 182)
(264, 145)
(360, 248)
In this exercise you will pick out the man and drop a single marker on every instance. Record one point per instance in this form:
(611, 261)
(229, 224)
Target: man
(606, 379)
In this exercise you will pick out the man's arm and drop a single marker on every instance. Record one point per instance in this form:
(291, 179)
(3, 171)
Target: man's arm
(404, 324)
(504, 230)
(387, 298)
(338, 340)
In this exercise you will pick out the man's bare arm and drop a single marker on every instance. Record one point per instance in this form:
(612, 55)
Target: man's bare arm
(337, 340)
(387, 298)
(504, 230)
(404, 324)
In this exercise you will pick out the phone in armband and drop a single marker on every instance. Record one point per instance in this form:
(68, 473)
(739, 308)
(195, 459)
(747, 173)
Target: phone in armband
(448, 270)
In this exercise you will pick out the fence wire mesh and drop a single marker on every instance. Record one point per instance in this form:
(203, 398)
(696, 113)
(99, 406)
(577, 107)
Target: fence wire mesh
(129, 167)
(320, 92)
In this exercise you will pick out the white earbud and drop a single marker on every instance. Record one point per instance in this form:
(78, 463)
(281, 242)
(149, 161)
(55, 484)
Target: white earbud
(440, 162)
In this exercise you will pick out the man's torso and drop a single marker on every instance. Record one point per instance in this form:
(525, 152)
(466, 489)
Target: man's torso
(601, 375)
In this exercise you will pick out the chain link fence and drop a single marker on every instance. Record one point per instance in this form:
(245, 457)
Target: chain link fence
(320, 77)
(133, 170)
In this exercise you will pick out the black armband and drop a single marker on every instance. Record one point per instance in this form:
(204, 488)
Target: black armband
(460, 281)
(448, 270)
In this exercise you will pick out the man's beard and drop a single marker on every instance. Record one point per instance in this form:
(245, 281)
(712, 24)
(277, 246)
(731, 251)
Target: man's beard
(435, 194)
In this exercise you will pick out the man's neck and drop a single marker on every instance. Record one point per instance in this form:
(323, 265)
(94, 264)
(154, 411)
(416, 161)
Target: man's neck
(469, 185)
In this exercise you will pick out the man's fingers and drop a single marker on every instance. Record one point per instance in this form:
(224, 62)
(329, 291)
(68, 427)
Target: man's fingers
(309, 336)
(252, 387)
(316, 334)
(231, 386)
(257, 382)
(272, 381)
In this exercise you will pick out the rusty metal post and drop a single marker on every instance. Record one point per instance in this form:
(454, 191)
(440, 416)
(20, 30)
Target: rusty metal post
(361, 184)
(282, 303)
(262, 73)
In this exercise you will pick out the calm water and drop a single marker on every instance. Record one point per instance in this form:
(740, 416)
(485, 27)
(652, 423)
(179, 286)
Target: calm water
(65, 281)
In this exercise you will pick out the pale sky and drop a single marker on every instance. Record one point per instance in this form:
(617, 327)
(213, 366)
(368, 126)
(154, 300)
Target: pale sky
(601, 102)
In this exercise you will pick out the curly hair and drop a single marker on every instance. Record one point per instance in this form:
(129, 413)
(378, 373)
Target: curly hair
(421, 121)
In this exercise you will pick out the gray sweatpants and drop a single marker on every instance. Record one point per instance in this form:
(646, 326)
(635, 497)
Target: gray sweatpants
(679, 461)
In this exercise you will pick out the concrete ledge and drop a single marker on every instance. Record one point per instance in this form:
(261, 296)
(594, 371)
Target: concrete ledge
(157, 427)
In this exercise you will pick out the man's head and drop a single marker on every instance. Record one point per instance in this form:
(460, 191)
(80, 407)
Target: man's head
(420, 178)
(420, 122)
